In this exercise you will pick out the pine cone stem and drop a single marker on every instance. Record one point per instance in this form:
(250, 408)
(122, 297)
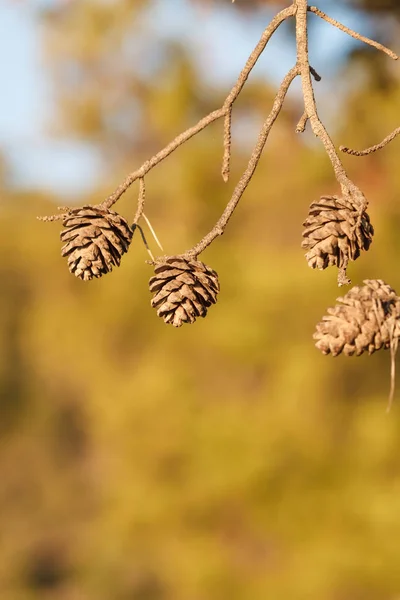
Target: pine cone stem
(244, 181)
(141, 201)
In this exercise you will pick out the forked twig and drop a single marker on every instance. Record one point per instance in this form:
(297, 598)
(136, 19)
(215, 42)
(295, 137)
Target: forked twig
(219, 227)
(301, 125)
(309, 99)
(217, 114)
(351, 32)
(299, 9)
(372, 149)
(350, 232)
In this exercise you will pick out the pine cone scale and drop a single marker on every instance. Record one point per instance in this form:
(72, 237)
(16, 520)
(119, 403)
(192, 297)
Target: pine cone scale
(169, 274)
(208, 295)
(186, 278)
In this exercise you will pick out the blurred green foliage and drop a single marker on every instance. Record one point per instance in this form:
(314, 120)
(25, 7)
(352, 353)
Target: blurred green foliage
(228, 460)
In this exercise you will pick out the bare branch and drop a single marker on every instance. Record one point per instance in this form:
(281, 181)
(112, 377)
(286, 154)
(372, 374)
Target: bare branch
(217, 114)
(372, 149)
(226, 163)
(301, 125)
(309, 100)
(219, 228)
(352, 33)
(141, 201)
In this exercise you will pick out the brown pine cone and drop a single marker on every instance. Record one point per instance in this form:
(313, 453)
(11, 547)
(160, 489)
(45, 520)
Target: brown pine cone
(367, 319)
(183, 289)
(337, 229)
(95, 240)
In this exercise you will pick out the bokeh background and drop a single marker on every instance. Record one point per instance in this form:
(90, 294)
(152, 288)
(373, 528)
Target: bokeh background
(226, 460)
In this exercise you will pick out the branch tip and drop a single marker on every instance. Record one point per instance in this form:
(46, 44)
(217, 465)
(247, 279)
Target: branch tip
(372, 149)
(352, 33)
(180, 139)
(302, 124)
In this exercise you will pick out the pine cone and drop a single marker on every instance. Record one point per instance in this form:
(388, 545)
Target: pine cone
(337, 229)
(95, 241)
(367, 320)
(183, 289)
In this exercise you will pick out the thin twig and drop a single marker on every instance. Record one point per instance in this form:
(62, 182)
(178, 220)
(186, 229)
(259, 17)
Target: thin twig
(141, 201)
(50, 218)
(217, 114)
(372, 149)
(153, 233)
(219, 228)
(59, 217)
(226, 162)
(309, 99)
(352, 33)
(301, 125)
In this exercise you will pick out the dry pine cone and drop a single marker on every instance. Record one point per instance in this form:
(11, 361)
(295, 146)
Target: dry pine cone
(95, 240)
(183, 289)
(367, 319)
(336, 231)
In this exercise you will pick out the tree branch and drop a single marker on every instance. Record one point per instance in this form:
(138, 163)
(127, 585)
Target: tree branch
(219, 228)
(299, 9)
(354, 34)
(309, 99)
(226, 162)
(203, 123)
(372, 149)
